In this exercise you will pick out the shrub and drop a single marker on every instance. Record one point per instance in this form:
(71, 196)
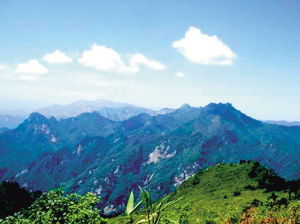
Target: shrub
(250, 187)
(13, 198)
(236, 193)
(256, 203)
(56, 207)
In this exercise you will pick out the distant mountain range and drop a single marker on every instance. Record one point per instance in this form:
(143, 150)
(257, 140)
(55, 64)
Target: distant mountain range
(90, 152)
(10, 121)
(109, 109)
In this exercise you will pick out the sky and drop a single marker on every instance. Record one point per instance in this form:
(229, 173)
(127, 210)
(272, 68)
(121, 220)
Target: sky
(157, 53)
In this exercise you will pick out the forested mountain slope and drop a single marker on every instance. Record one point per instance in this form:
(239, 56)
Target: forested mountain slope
(92, 153)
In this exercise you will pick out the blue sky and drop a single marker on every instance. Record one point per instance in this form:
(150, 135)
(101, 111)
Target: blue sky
(153, 53)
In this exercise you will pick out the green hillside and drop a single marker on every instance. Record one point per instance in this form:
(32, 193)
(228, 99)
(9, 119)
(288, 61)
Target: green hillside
(90, 153)
(245, 193)
(221, 193)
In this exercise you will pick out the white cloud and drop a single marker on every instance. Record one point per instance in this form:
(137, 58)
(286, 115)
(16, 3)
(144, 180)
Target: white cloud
(31, 70)
(106, 59)
(31, 67)
(102, 58)
(140, 59)
(201, 48)
(180, 75)
(57, 57)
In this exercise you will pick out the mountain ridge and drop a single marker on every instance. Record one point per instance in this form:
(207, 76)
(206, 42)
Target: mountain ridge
(109, 109)
(92, 153)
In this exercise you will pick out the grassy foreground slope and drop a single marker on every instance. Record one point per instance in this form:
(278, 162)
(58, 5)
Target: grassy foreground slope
(221, 193)
(245, 193)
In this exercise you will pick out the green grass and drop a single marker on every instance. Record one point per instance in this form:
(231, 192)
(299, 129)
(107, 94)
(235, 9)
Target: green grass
(209, 196)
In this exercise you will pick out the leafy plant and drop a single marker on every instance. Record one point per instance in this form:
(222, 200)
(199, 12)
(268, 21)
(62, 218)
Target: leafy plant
(14, 198)
(56, 207)
(153, 211)
(130, 208)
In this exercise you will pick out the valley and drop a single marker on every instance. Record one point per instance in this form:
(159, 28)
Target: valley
(90, 153)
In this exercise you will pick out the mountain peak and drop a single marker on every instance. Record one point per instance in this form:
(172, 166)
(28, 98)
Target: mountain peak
(36, 118)
(185, 106)
(89, 114)
(33, 120)
(93, 116)
(228, 112)
(220, 106)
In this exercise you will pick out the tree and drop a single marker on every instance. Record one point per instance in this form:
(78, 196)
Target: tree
(57, 207)
(13, 198)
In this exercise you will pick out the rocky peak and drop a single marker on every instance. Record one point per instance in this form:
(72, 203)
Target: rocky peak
(36, 118)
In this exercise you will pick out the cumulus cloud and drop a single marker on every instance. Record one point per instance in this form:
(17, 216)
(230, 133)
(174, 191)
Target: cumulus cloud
(180, 75)
(139, 59)
(57, 57)
(106, 59)
(103, 59)
(31, 70)
(31, 67)
(201, 48)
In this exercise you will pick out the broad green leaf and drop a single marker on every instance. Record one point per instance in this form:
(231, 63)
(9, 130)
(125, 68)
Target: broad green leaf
(130, 204)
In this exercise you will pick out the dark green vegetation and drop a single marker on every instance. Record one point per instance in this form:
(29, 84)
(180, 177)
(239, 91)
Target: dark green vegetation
(245, 193)
(110, 158)
(13, 198)
(57, 208)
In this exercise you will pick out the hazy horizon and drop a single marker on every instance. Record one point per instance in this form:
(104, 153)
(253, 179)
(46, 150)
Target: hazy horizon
(32, 106)
(152, 54)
